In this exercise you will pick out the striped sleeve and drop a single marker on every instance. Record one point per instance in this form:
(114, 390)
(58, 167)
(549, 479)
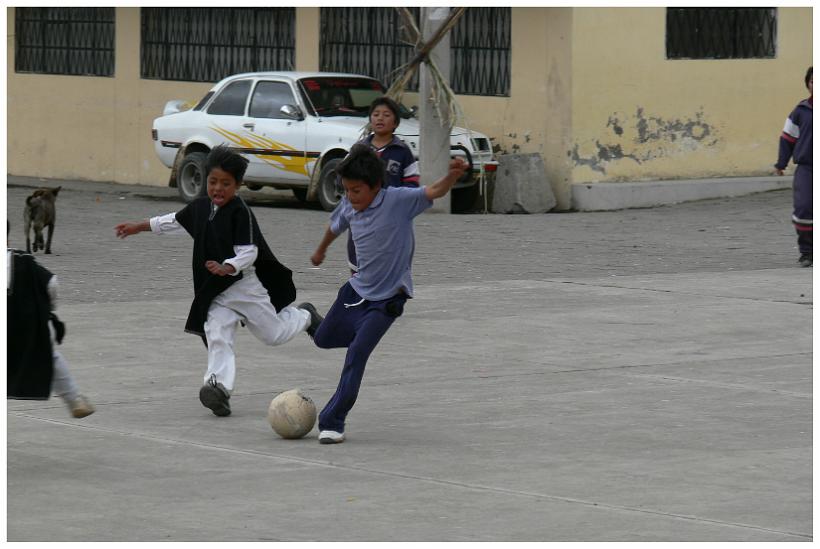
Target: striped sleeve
(410, 175)
(791, 131)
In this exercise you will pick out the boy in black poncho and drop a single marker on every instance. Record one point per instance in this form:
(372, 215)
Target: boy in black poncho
(236, 276)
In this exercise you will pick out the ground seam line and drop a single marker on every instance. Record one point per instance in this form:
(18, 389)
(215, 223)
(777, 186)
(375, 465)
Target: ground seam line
(432, 480)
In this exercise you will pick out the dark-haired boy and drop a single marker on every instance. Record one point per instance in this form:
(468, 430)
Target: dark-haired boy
(796, 142)
(381, 223)
(236, 276)
(401, 166)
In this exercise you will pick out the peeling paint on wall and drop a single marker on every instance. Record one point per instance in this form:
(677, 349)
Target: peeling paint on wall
(642, 138)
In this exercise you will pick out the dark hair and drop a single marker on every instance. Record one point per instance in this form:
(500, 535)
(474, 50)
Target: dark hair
(808, 76)
(362, 164)
(387, 102)
(224, 158)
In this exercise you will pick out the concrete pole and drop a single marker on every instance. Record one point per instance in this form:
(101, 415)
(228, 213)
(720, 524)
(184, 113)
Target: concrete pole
(434, 138)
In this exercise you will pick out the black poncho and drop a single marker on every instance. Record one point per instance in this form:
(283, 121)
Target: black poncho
(215, 233)
(30, 355)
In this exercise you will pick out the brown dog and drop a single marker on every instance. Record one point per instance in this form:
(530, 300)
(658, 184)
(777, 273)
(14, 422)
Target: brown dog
(40, 212)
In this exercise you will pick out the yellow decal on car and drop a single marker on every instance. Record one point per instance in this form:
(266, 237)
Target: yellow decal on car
(267, 150)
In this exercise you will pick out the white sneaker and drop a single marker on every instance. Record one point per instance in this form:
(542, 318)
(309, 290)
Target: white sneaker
(331, 437)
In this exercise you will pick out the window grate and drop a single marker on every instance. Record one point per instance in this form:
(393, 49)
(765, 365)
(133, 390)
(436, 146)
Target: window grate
(208, 44)
(365, 41)
(480, 52)
(721, 33)
(71, 41)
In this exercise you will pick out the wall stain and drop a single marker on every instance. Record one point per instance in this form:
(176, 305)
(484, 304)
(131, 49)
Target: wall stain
(644, 138)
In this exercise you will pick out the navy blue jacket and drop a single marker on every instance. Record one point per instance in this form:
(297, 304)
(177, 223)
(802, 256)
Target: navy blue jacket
(796, 139)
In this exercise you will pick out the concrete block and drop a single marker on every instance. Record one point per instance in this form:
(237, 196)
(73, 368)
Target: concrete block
(521, 185)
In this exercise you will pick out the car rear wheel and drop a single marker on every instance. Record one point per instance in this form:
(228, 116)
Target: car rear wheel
(330, 190)
(191, 179)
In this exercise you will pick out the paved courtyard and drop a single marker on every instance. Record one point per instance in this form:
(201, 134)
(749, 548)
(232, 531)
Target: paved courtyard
(640, 375)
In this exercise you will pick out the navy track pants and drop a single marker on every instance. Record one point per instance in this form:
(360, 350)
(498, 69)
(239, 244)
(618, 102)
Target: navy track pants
(802, 217)
(359, 325)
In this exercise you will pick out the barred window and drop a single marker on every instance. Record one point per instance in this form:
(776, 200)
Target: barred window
(364, 41)
(368, 41)
(721, 33)
(74, 41)
(480, 52)
(208, 44)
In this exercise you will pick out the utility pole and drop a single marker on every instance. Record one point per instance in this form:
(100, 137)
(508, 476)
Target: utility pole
(434, 138)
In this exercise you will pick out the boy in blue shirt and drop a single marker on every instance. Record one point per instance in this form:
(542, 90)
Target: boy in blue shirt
(796, 142)
(401, 166)
(381, 224)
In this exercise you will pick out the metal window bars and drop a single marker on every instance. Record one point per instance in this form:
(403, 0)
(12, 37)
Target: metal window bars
(208, 44)
(365, 41)
(480, 52)
(368, 41)
(721, 33)
(69, 41)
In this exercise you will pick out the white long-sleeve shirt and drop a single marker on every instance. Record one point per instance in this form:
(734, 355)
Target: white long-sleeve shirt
(242, 261)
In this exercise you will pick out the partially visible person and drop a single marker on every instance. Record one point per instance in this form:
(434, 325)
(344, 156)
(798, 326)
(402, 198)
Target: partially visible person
(35, 369)
(796, 143)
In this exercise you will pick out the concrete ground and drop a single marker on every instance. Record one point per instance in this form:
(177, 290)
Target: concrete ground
(637, 375)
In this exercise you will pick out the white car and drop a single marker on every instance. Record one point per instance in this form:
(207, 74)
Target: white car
(294, 128)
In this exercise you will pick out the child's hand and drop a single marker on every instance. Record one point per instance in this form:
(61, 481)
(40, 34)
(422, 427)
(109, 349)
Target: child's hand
(127, 229)
(317, 258)
(214, 267)
(457, 168)
(778, 171)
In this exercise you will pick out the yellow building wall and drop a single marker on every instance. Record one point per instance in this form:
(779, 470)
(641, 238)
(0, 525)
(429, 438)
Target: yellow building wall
(90, 128)
(591, 91)
(638, 116)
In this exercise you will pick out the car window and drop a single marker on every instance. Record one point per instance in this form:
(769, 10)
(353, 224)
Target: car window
(203, 101)
(231, 100)
(341, 96)
(268, 98)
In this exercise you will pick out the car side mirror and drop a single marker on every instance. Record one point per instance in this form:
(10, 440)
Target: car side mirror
(292, 111)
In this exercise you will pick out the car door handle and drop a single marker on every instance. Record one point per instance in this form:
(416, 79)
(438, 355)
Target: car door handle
(249, 125)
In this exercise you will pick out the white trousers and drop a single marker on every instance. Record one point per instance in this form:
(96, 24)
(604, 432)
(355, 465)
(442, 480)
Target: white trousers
(246, 300)
(62, 382)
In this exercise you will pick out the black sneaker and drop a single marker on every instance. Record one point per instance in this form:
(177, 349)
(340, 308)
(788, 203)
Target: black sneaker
(213, 395)
(805, 260)
(315, 317)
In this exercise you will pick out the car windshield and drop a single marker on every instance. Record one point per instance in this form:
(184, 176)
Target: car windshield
(342, 95)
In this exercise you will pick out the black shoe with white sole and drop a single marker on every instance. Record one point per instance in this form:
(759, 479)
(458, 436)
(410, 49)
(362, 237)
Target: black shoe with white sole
(315, 318)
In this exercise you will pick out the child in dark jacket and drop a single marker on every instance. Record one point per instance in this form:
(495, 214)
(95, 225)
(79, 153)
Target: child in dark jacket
(796, 142)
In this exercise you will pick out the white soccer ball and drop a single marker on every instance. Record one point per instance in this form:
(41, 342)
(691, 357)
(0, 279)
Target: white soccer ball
(292, 414)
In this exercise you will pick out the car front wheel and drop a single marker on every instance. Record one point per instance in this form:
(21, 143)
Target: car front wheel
(330, 189)
(191, 179)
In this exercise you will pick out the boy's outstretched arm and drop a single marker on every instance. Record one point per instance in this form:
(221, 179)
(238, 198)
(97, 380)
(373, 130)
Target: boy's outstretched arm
(319, 255)
(443, 185)
(127, 229)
